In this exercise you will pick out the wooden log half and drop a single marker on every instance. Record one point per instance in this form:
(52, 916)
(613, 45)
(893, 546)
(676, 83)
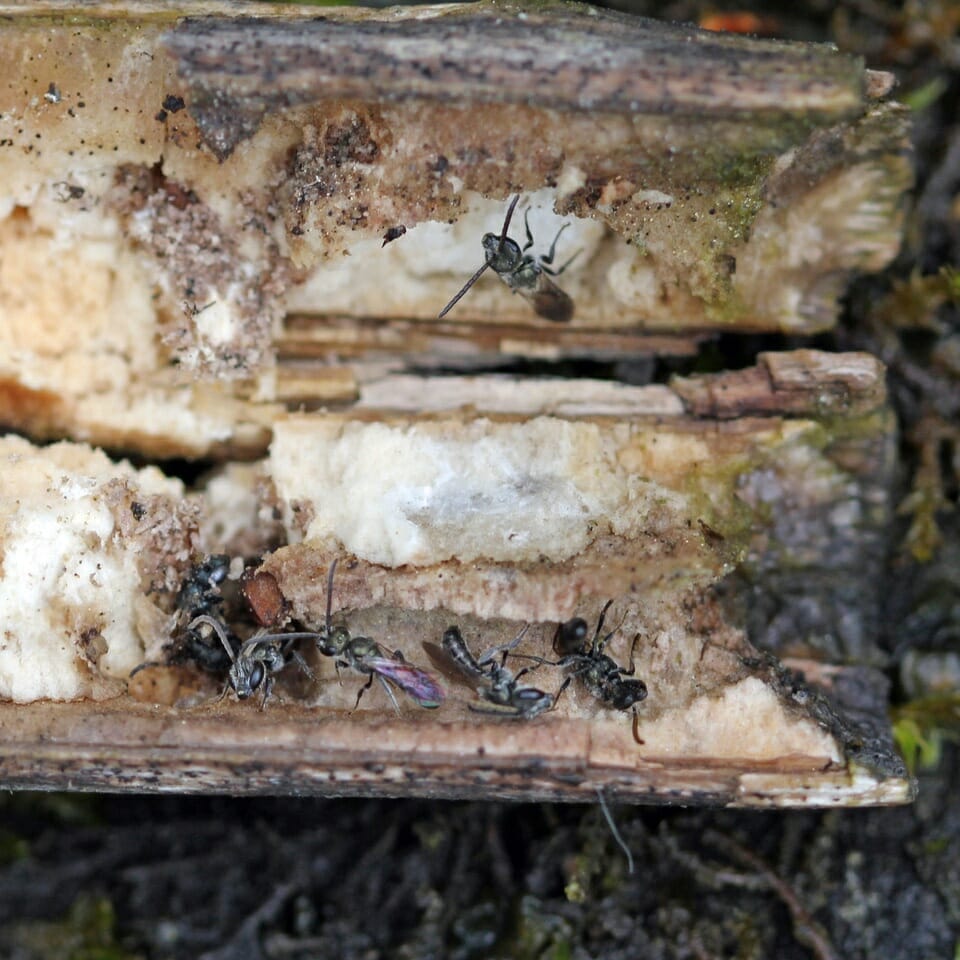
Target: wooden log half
(188, 189)
(527, 507)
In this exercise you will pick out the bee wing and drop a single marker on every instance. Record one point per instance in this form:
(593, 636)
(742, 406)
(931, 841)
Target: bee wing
(549, 300)
(416, 683)
(442, 660)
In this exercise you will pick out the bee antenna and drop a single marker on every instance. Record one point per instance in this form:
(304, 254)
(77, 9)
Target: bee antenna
(506, 219)
(463, 290)
(596, 635)
(333, 570)
(476, 276)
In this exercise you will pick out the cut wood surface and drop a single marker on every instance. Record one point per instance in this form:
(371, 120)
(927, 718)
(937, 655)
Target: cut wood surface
(235, 749)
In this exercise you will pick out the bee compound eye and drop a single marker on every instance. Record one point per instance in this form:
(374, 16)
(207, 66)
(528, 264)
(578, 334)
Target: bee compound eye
(531, 695)
(256, 676)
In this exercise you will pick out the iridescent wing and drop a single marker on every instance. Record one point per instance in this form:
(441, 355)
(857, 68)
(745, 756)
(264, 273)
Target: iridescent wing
(415, 683)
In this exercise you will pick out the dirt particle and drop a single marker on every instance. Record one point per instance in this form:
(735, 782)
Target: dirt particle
(173, 104)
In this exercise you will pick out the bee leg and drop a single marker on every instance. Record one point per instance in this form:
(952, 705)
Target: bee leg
(596, 646)
(363, 690)
(523, 656)
(526, 224)
(386, 686)
(559, 693)
(505, 711)
(538, 661)
(267, 687)
(636, 727)
(547, 258)
(545, 264)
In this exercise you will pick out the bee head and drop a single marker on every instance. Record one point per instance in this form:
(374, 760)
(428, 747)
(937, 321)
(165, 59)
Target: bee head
(502, 254)
(334, 643)
(245, 677)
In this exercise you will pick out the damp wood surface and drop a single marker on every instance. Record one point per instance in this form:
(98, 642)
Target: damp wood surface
(200, 195)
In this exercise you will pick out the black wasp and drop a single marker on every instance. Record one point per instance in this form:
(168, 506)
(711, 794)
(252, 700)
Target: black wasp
(259, 658)
(498, 686)
(601, 675)
(529, 276)
(367, 656)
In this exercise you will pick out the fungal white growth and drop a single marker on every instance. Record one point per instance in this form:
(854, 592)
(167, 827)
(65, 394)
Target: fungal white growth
(70, 589)
(423, 493)
(419, 494)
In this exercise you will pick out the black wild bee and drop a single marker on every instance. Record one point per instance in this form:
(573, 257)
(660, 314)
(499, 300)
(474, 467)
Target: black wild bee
(259, 658)
(200, 595)
(200, 591)
(497, 685)
(524, 274)
(601, 675)
(367, 656)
